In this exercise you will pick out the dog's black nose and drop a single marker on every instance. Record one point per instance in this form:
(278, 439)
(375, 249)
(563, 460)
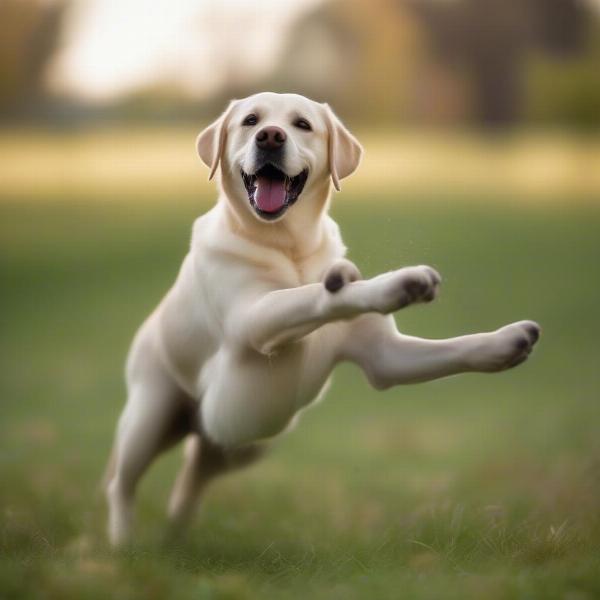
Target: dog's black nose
(270, 138)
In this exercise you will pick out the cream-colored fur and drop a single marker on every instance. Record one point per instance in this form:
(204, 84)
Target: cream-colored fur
(261, 312)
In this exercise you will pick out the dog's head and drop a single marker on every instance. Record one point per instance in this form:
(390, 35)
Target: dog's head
(274, 149)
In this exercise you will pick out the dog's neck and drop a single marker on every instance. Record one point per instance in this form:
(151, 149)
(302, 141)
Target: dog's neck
(301, 233)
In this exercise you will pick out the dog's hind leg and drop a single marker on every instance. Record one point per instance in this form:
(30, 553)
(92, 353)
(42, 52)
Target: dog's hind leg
(150, 423)
(203, 462)
(188, 485)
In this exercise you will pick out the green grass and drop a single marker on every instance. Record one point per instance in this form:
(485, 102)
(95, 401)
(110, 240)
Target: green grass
(472, 487)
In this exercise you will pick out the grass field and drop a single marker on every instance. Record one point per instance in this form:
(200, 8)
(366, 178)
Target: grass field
(472, 487)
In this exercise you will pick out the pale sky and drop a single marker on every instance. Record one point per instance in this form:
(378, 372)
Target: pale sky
(114, 46)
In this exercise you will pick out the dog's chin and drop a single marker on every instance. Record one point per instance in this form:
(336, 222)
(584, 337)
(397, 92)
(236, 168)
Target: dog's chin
(271, 191)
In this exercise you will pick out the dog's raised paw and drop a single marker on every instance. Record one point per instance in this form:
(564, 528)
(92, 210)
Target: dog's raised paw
(407, 286)
(418, 284)
(339, 274)
(511, 346)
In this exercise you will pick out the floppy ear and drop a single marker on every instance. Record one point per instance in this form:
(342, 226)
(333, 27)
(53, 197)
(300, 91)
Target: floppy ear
(210, 143)
(345, 150)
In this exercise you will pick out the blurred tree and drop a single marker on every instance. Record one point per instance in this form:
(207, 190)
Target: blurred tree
(563, 87)
(485, 37)
(491, 40)
(29, 35)
(560, 26)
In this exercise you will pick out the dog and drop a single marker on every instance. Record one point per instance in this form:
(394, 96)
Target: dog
(265, 305)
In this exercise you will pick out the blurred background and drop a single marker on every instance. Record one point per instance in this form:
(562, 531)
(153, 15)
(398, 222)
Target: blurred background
(481, 125)
(438, 83)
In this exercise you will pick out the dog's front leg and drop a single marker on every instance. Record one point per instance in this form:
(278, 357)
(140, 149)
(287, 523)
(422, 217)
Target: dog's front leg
(390, 358)
(283, 316)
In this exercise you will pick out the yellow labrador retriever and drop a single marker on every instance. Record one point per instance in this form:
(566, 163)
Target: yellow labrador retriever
(265, 306)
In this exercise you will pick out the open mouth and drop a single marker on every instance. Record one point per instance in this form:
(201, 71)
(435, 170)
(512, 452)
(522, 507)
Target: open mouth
(271, 192)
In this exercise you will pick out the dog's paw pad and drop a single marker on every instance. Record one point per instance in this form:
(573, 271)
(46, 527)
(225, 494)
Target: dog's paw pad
(420, 284)
(339, 274)
(522, 344)
(533, 329)
(511, 346)
(334, 282)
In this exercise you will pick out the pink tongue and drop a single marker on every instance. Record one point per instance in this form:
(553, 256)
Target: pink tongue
(270, 194)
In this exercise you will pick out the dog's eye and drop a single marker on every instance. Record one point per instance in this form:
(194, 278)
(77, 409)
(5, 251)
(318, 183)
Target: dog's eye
(302, 124)
(250, 120)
